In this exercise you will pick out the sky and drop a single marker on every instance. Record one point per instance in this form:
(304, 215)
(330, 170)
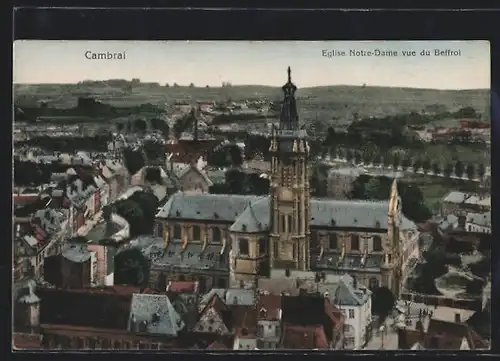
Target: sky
(256, 63)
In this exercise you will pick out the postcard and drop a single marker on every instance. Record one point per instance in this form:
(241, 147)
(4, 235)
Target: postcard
(251, 195)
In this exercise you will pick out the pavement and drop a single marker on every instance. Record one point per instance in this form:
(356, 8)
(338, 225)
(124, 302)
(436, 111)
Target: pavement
(387, 340)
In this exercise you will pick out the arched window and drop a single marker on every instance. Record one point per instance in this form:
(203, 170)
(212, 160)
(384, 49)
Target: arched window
(262, 246)
(196, 233)
(216, 235)
(377, 244)
(332, 241)
(177, 232)
(354, 242)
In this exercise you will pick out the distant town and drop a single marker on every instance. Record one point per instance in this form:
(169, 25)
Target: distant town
(167, 217)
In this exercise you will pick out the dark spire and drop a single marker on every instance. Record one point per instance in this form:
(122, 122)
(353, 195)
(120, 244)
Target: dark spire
(289, 118)
(194, 117)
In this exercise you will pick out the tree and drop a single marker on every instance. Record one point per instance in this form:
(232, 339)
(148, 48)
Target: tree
(236, 182)
(387, 159)
(374, 189)
(459, 169)
(357, 157)
(466, 112)
(426, 165)
(349, 155)
(436, 169)
(134, 160)
(382, 302)
(340, 153)
(470, 171)
(167, 85)
(406, 163)
(176, 85)
(396, 160)
(417, 164)
(140, 125)
(332, 152)
(257, 185)
(481, 171)
(191, 85)
(376, 159)
(161, 125)
(448, 170)
(330, 136)
(154, 149)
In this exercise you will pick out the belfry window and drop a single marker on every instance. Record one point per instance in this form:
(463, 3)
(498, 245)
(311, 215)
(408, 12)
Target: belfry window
(283, 223)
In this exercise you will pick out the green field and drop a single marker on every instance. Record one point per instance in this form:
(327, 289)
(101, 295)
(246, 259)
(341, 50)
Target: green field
(329, 104)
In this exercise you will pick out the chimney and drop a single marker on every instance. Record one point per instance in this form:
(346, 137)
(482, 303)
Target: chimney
(457, 318)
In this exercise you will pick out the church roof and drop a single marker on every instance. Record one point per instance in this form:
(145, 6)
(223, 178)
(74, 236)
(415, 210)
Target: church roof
(251, 214)
(255, 218)
(205, 207)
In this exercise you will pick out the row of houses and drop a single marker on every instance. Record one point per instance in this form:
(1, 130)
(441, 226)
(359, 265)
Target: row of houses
(42, 221)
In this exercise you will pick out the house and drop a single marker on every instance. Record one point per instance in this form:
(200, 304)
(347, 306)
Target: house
(440, 335)
(478, 222)
(460, 203)
(355, 302)
(340, 181)
(269, 321)
(192, 179)
(231, 296)
(315, 318)
(154, 315)
(240, 321)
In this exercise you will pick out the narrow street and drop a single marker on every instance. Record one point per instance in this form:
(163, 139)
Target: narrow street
(386, 341)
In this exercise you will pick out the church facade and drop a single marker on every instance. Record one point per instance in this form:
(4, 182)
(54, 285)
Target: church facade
(288, 233)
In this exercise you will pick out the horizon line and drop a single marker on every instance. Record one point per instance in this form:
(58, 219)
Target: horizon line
(260, 85)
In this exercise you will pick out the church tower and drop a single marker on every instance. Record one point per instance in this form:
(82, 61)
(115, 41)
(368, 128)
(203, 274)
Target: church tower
(289, 236)
(391, 268)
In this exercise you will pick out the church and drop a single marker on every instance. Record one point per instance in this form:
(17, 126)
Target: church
(234, 240)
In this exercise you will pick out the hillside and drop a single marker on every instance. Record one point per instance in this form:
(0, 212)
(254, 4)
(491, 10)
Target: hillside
(331, 104)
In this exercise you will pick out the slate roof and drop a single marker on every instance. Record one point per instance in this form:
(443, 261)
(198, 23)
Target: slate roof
(155, 313)
(151, 247)
(240, 297)
(347, 295)
(205, 207)
(193, 256)
(77, 253)
(216, 176)
(244, 297)
(351, 261)
(351, 213)
(252, 211)
(255, 218)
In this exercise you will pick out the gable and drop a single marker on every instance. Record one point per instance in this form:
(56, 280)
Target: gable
(211, 321)
(193, 176)
(464, 345)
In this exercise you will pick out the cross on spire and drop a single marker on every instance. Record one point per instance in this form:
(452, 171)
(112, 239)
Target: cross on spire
(289, 118)
(289, 88)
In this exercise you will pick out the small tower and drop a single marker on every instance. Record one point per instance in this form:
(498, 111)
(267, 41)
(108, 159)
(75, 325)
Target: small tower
(289, 237)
